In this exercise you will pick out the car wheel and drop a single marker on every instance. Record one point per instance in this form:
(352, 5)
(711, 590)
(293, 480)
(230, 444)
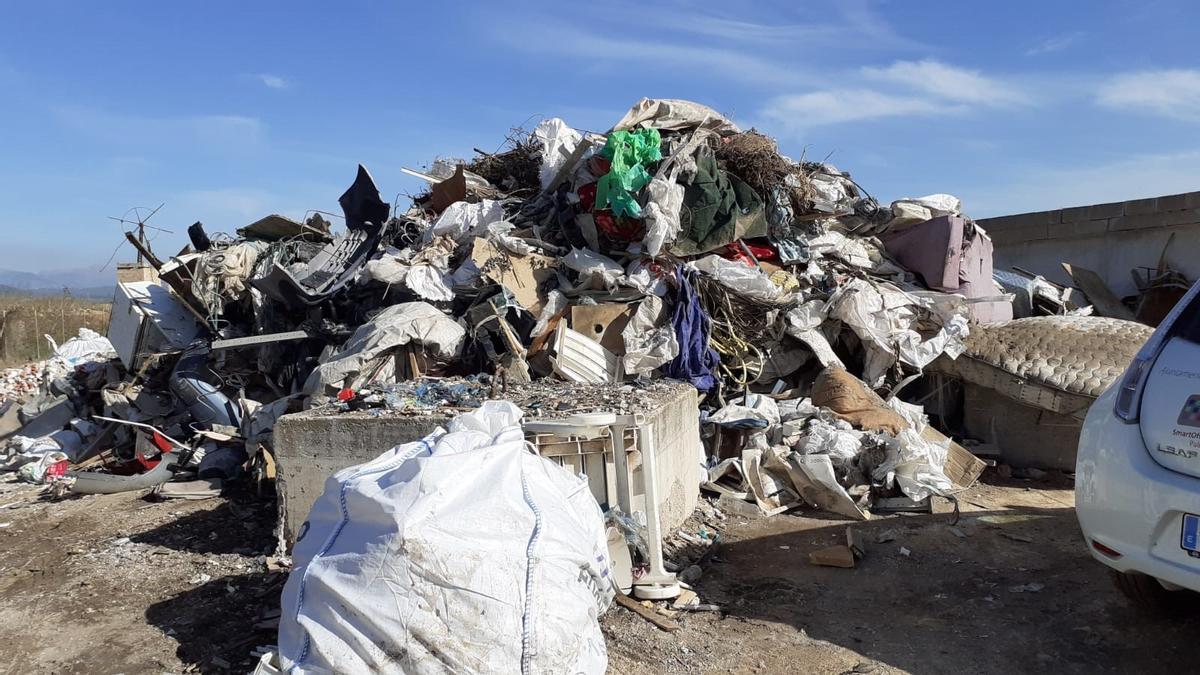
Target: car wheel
(1147, 594)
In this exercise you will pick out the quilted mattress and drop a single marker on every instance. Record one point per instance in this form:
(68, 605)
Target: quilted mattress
(1057, 363)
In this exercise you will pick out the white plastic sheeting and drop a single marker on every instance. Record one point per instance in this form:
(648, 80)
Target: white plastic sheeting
(461, 220)
(885, 319)
(674, 114)
(650, 339)
(558, 142)
(590, 264)
(750, 282)
(464, 552)
(85, 347)
(664, 204)
(916, 466)
(395, 326)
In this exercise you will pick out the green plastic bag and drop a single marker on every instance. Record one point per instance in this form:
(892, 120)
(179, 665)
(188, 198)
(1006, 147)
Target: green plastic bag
(629, 152)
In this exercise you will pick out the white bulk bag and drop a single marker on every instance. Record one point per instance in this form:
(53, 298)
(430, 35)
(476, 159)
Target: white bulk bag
(464, 552)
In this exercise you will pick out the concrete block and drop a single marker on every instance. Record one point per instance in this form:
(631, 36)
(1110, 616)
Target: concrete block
(1109, 210)
(1139, 207)
(1173, 202)
(311, 446)
(1181, 217)
(1026, 436)
(1141, 221)
(1019, 233)
(1191, 200)
(1079, 228)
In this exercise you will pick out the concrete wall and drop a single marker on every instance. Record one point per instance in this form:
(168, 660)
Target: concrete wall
(310, 447)
(1110, 239)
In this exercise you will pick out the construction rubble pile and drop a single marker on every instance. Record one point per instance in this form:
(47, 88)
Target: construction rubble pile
(675, 246)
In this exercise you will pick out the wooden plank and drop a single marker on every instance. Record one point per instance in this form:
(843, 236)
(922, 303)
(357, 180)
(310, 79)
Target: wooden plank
(648, 614)
(1098, 292)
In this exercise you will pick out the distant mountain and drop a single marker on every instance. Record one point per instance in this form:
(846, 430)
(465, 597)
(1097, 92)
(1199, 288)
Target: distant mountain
(85, 282)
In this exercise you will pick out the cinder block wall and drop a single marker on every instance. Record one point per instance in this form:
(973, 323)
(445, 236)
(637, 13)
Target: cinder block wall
(311, 446)
(1110, 239)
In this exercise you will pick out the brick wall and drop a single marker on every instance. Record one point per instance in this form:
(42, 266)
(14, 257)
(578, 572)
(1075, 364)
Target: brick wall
(1098, 219)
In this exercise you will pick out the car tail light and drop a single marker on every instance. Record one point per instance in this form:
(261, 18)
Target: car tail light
(1105, 550)
(1129, 396)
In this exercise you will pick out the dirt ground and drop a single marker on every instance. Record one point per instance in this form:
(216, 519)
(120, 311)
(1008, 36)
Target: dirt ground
(118, 584)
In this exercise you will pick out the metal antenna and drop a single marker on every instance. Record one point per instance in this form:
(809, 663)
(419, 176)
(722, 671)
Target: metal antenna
(141, 220)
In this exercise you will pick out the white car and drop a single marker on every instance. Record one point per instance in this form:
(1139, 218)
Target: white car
(1137, 476)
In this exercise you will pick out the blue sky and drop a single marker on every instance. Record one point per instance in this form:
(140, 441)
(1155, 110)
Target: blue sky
(229, 111)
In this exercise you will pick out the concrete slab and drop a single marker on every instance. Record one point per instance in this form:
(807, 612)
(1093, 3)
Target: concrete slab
(311, 446)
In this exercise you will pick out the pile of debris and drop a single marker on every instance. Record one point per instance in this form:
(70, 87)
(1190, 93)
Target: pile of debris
(674, 246)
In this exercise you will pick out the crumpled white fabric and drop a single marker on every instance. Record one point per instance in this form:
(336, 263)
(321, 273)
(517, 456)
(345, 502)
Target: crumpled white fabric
(663, 206)
(85, 347)
(916, 465)
(821, 437)
(748, 281)
(671, 114)
(650, 340)
(850, 250)
(558, 141)
(461, 220)
(589, 264)
(395, 326)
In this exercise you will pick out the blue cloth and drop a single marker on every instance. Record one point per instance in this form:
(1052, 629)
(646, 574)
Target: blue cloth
(697, 361)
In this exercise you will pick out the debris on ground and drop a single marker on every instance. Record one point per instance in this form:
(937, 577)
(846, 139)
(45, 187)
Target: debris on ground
(569, 275)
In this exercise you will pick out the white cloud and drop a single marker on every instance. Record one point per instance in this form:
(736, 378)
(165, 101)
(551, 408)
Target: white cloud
(796, 112)
(203, 131)
(948, 82)
(1055, 44)
(1168, 93)
(273, 81)
(570, 42)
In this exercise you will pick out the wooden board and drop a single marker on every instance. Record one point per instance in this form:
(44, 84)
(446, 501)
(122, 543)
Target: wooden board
(1098, 292)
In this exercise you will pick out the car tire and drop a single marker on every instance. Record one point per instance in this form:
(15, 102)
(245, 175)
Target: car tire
(1147, 594)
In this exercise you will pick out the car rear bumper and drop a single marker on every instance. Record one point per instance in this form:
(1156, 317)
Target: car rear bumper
(1128, 503)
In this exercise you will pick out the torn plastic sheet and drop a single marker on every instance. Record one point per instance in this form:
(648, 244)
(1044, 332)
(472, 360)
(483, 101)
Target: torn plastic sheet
(500, 233)
(649, 337)
(772, 493)
(558, 141)
(461, 220)
(884, 319)
(916, 465)
(556, 302)
(395, 326)
(851, 251)
(641, 276)
(937, 204)
(821, 437)
(663, 206)
(747, 281)
(671, 114)
(591, 264)
(756, 411)
(429, 282)
(85, 347)
(814, 478)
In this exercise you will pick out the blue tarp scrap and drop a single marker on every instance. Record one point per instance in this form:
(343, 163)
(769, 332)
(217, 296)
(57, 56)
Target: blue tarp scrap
(697, 361)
